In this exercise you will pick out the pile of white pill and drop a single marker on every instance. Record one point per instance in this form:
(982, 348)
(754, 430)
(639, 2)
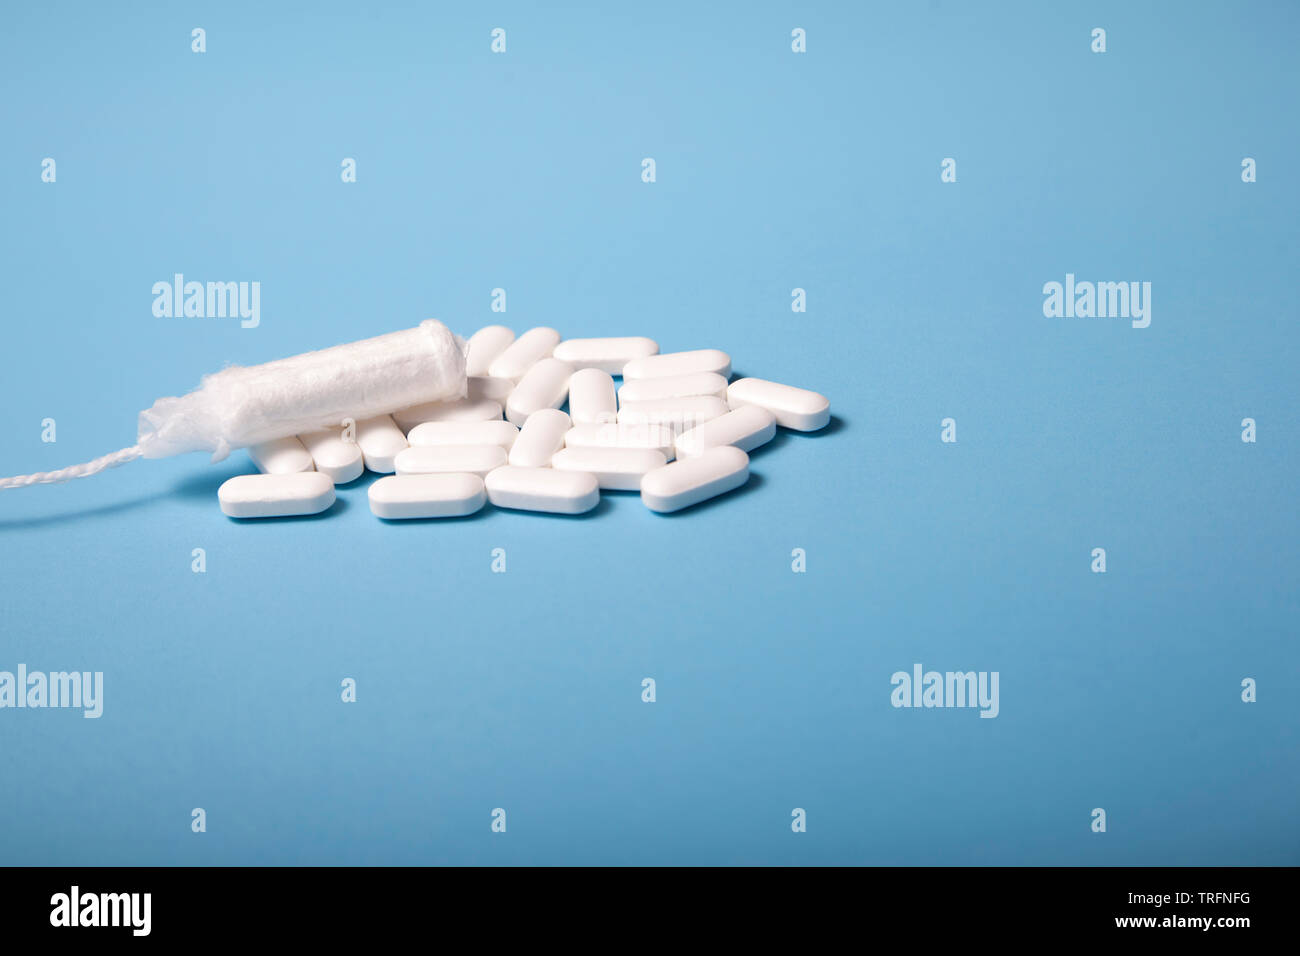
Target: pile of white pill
(675, 430)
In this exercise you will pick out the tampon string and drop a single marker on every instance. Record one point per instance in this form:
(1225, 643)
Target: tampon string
(84, 470)
(240, 406)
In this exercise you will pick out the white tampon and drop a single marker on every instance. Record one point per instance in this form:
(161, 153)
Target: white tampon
(243, 406)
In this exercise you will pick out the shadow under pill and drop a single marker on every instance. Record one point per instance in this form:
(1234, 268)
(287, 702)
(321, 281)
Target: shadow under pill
(832, 427)
(779, 440)
(360, 481)
(203, 485)
(785, 436)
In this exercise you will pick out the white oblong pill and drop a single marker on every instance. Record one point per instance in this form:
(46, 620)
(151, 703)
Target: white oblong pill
(464, 433)
(276, 496)
(540, 438)
(523, 353)
(591, 397)
(618, 469)
(545, 385)
(746, 428)
(611, 435)
(797, 408)
(692, 480)
(679, 414)
(678, 363)
(673, 386)
(484, 346)
(282, 456)
(427, 496)
(542, 489)
(380, 440)
(480, 387)
(449, 459)
(339, 459)
(459, 410)
(608, 355)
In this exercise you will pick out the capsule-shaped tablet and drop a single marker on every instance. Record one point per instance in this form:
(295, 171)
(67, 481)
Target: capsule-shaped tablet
(458, 410)
(464, 433)
(611, 435)
(608, 355)
(339, 459)
(673, 386)
(542, 489)
(678, 363)
(679, 414)
(545, 385)
(276, 496)
(449, 459)
(540, 438)
(796, 408)
(427, 496)
(484, 346)
(617, 469)
(480, 387)
(746, 428)
(380, 440)
(689, 481)
(523, 353)
(591, 397)
(283, 456)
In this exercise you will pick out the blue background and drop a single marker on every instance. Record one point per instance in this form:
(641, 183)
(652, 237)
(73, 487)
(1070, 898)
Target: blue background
(522, 690)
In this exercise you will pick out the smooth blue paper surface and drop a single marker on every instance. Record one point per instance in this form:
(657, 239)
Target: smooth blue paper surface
(775, 171)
